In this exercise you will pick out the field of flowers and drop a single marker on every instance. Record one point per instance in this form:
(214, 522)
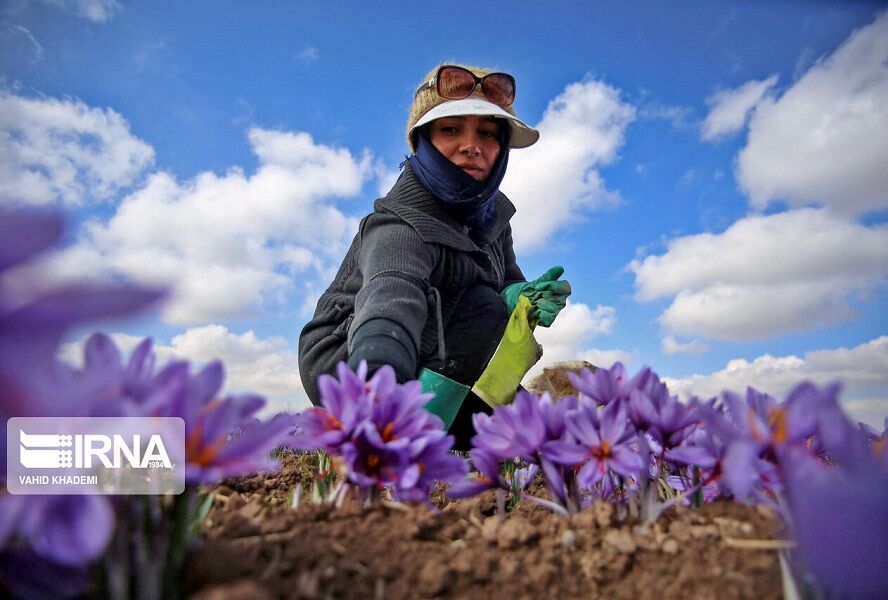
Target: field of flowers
(616, 490)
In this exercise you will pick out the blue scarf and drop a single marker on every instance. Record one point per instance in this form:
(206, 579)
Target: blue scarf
(469, 201)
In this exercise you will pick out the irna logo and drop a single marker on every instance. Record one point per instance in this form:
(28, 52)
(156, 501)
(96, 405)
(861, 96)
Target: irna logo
(83, 451)
(95, 455)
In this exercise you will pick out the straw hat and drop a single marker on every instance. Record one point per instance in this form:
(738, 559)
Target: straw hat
(428, 106)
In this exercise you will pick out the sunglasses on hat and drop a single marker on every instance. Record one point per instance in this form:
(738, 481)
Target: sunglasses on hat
(456, 83)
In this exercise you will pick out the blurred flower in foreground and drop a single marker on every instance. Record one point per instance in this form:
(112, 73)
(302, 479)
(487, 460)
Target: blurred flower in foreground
(223, 437)
(34, 322)
(67, 530)
(757, 430)
(839, 512)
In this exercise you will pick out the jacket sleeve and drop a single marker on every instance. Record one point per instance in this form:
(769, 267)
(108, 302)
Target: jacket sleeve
(391, 307)
(513, 272)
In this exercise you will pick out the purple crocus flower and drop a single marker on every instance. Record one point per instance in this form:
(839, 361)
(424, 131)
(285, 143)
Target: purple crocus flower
(653, 410)
(211, 454)
(878, 441)
(514, 431)
(397, 412)
(345, 404)
(380, 431)
(32, 326)
(596, 445)
(69, 530)
(32, 381)
(840, 512)
(521, 430)
(368, 465)
(429, 460)
(488, 476)
(757, 430)
(602, 385)
(703, 449)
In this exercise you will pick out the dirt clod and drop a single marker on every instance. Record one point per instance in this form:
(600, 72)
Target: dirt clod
(620, 540)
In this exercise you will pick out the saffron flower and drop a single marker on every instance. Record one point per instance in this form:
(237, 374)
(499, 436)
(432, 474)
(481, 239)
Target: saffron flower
(429, 460)
(840, 512)
(704, 450)
(344, 404)
(758, 430)
(68, 530)
(878, 441)
(652, 409)
(33, 323)
(514, 431)
(602, 385)
(380, 432)
(596, 445)
(397, 412)
(521, 431)
(488, 476)
(212, 452)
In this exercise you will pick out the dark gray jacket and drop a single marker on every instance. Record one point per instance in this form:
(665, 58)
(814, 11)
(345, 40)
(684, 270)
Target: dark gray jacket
(408, 263)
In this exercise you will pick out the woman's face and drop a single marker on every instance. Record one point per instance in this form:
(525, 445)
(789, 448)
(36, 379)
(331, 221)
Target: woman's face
(470, 142)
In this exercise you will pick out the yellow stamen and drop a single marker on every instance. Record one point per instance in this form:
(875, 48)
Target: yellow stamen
(778, 426)
(199, 453)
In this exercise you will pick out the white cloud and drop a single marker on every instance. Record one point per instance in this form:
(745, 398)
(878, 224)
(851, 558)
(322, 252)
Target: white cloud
(605, 359)
(555, 181)
(862, 369)
(825, 140)
(386, 178)
(729, 109)
(669, 345)
(265, 366)
(13, 31)
(678, 116)
(764, 275)
(566, 339)
(94, 10)
(307, 55)
(228, 243)
(64, 151)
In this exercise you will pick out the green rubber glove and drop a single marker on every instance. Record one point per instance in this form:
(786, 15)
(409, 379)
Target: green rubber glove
(517, 352)
(547, 295)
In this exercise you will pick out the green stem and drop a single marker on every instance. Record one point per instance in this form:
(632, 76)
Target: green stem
(183, 515)
(698, 495)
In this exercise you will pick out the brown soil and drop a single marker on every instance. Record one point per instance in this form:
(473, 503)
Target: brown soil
(255, 546)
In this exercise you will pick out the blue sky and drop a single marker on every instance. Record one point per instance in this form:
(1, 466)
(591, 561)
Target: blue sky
(710, 174)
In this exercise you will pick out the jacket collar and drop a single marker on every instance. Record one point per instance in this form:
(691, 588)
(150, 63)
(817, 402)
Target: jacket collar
(412, 201)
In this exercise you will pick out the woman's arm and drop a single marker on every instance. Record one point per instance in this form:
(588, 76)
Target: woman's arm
(392, 306)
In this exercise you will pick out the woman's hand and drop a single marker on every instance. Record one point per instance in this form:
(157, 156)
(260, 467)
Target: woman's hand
(547, 294)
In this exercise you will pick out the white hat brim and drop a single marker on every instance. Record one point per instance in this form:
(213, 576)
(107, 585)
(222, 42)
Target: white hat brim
(522, 136)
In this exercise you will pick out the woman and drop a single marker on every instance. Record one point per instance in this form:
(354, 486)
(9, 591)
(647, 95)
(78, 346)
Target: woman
(430, 279)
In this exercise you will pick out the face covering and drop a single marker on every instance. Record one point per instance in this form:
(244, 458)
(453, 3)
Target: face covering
(469, 201)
